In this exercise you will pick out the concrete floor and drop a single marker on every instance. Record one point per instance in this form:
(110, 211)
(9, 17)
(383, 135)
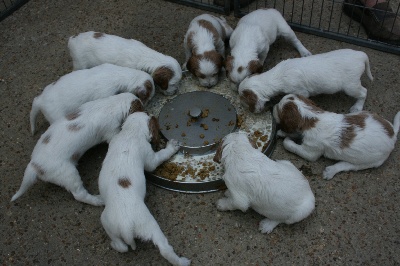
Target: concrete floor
(356, 220)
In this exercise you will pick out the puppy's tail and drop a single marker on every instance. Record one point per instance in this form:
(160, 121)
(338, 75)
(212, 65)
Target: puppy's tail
(34, 112)
(30, 178)
(368, 69)
(396, 124)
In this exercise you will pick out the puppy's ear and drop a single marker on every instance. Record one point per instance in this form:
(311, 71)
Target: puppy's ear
(250, 98)
(291, 120)
(218, 153)
(162, 76)
(154, 129)
(136, 106)
(255, 67)
(229, 64)
(144, 93)
(193, 64)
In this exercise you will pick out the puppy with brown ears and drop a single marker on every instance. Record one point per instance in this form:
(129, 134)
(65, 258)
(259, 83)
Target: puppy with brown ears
(72, 90)
(122, 185)
(358, 140)
(326, 73)
(274, 189)
(204, 45)
(58, 150)
(89, 49)
(251, 39)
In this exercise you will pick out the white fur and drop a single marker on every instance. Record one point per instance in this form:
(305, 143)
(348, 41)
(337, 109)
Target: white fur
(274, 189)
(325, 73)
(204, 41)
(58, 150)
(78, 87)
(90, 49)
(369, 148)
(122, 185)
(252, 38)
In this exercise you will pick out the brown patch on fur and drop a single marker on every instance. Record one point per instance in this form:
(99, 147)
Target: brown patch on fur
(98, 35)
(46, 139)
(215, 57)
(218, 153)
(162, 76)
(255, 66)
(291, 120)
(193, 64)
(385, 124)
(348, 132)
(136, 106)
(154, 129)
(229, 64)
(310, 103)
(75, 157)
(38, 169)
(74, 127)
(250, 98)
(210, 27)
(253, 143)
(73, 116)
(240, 69)
(124, 182)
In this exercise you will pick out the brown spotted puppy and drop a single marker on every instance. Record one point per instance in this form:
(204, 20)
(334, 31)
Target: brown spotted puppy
(358, 140)
(204, 45)
(89, 49)
(58, 150)
(122, 185)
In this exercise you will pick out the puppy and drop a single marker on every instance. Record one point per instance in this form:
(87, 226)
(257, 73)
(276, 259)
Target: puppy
(327, 73)
(204, 45)
(72, 90)
(358, 141)
(122, 185)
(275, 189)
(58, 150)
(90, 49)
(251, 39)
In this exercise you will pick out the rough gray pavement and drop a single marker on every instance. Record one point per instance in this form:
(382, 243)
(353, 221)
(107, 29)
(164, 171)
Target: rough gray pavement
(356, 220)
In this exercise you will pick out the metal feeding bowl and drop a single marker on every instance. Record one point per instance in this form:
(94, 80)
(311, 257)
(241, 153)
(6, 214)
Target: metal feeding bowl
(199, 118)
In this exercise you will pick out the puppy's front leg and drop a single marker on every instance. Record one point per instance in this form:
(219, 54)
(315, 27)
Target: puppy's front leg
(233, 201)
(157, 158)
(310, 154)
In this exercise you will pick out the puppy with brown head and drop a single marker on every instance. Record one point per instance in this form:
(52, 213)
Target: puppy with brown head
(274, 189)
(204, 45)
(358, 140)
(122, 185)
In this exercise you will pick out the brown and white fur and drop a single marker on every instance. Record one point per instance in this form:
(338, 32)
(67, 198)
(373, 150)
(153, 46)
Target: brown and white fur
(326, 73)
(90, 49)
(122, 185)
(58, 150)
(251, 39)
(274, 189)
(78, 87)
(358, 141)
(204, 45)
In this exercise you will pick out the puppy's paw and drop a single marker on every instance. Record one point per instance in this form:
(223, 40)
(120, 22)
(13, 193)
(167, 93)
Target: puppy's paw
(119, 246)
(281, 134)
(266, 226)
(329, 173)
(305, 53)
(173, 144)
(224, 204)
(184, 261)
(355, 109)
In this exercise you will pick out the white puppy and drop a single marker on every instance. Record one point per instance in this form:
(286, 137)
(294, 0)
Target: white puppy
(78, 87)
(251, 39)
(326, 73)
(358, 141)
(90, 49)
(122, 185)
(274, 189)
(58, 150)
(204, 45)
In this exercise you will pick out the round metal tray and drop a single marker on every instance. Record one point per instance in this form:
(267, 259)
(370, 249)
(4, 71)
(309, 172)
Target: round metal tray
(193, 170)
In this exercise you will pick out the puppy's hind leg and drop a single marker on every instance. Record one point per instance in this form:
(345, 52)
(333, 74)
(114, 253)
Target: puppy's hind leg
(332, 170)
(73, 183)
(267, 225)
(360, 94)
(116, 242)
(287, 33)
